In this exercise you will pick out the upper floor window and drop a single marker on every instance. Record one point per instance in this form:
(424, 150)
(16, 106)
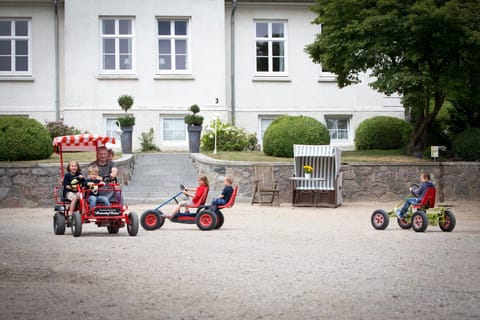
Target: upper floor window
(271, 44)
(15, 57)
(173, 41)
(117, 37)
(338, 127)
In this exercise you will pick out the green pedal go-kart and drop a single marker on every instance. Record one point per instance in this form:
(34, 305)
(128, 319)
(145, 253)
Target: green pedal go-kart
(418, 216)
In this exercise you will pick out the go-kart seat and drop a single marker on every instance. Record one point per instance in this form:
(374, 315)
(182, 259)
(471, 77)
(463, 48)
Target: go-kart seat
(428, 200)
(230, 202)
(200, 201)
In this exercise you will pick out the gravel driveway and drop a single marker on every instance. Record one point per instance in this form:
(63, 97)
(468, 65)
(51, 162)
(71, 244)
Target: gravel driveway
(265, 263)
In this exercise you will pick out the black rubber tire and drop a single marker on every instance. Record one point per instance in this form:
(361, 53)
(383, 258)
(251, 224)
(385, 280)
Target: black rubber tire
(404, 224)
(220, 219)
(419, 221)
(58, 223)
(76, 225)
(206, 220)
(450, 222)
(380, 219)
(133, 224)
(113, 229)
(151, 220)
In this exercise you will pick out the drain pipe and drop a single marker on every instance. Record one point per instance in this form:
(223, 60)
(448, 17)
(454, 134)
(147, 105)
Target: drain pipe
(232, 59)
(57, 67)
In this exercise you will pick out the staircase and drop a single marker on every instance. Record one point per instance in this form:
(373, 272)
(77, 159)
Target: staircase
(157, 176)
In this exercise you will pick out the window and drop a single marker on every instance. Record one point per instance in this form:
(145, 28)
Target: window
(173, 43)
(339, 128)
(117, 36)
(112, 128)
(271, 44)
(174, 129)
(264, 124)
(15, 48)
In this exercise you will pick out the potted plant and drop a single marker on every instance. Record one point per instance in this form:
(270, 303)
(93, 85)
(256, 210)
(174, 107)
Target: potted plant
(307, 170)
(126, 122)
(194, 126)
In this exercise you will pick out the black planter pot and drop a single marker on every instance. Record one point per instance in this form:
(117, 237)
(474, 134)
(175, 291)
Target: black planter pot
(194, 133)
(126, 139)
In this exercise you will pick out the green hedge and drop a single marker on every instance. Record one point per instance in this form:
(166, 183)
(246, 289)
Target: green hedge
(286, 131)
(466, 144)
(23, 139)
(382, 133)
(229, 138)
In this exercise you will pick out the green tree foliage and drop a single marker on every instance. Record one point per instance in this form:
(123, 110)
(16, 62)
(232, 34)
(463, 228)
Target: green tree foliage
(425, 50)
(229, 138)
(146, 141)
(58, 128)
(382, 133)
(23, 139)
(286, 131)
(466, 145)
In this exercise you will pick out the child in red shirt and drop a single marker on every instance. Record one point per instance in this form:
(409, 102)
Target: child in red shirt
(193, 196)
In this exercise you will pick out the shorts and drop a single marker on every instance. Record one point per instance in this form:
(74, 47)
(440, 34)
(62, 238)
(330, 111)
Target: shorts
(185, 203)
(72, 195)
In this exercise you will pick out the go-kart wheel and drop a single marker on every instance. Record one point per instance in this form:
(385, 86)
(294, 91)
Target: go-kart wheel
(404, 224)
(419, 221)
(76, 225)
(449, 222)
(220, 219)
(59, 223)
(132, 225)
(380, 219)
(113, 229)
(151, 220)
(206, 220)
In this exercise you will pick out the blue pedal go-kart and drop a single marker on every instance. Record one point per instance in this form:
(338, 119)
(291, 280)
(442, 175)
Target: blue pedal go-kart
(205, 217)
(418, 216)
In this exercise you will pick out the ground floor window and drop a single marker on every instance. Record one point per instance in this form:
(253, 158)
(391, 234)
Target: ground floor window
(112, 128)
(174, 129)
(264, 123)
(338, 127)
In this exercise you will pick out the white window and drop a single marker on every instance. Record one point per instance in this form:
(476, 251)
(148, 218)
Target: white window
(117, 43)
(112, 128)
(325, 74)
(264, 124)
(173, 46)
(174, 129)
(15, 57)
(271, 47)
(339, 128)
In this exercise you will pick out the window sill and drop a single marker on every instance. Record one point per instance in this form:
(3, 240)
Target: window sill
(327, 78)
(271, 79)
(17, 78)
(173, 77)
(117, 77)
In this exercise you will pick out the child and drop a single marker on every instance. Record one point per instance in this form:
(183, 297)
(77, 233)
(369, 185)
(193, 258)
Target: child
(72, 179)
(93, 182)
(111, 154)
(419, 193)
(193, 194)
(226, 194)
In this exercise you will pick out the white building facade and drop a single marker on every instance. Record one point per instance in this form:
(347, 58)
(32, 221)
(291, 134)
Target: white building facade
(72, 59)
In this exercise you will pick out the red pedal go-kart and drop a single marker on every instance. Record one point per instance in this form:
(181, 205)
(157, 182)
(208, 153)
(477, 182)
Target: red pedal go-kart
(418, 216)
(114, 216)
(205, 217)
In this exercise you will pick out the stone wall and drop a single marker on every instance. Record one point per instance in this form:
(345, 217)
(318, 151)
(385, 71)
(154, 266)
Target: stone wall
(31, 185)
(361, 181)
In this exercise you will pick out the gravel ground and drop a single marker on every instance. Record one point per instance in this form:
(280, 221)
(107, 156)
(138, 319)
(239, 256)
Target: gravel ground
(265, 263)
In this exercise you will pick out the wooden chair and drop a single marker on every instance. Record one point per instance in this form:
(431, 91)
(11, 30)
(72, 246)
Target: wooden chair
(265, 186)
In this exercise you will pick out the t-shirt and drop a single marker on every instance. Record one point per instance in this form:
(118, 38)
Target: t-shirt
(104, 170)
(199, 193)
(73, 181)
(227, 193)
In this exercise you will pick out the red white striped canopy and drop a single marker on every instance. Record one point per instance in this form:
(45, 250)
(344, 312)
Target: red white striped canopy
(81, 142)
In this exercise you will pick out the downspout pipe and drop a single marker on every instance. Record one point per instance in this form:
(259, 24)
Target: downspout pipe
(57, 64)
(232, 59)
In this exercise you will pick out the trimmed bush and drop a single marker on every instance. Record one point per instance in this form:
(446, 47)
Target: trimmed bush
(466, 144)
(382, 133)
(286, 131)
(229, 138)
(23, 139)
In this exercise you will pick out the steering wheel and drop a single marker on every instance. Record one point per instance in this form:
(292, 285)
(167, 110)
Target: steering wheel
(413, 187)
(109, 179)
(182, 187)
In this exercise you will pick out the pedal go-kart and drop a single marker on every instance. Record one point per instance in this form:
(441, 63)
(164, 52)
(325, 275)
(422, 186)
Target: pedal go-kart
(418, 216)
(205, 217)
(113, 217)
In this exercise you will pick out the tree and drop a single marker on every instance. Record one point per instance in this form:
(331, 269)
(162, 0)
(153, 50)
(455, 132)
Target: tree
(425, 50)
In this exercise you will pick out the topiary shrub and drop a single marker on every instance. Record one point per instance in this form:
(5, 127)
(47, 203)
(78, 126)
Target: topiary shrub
(58, 128)
(382, 133)
(23, 139)
(286, 131)
(466, 144)
(229, 138)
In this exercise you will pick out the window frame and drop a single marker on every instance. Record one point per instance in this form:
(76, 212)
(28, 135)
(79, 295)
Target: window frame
(13, 38)
(117, 36)
(336, 118)
(260, 131)
(270, 40)
(171, 117)
(172, 37)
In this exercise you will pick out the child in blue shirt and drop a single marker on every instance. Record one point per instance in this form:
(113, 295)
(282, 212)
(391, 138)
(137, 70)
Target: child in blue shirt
(419, 193)
(226, 194)
(93, 182)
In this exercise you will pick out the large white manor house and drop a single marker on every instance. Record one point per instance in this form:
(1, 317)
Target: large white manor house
(243, 60)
